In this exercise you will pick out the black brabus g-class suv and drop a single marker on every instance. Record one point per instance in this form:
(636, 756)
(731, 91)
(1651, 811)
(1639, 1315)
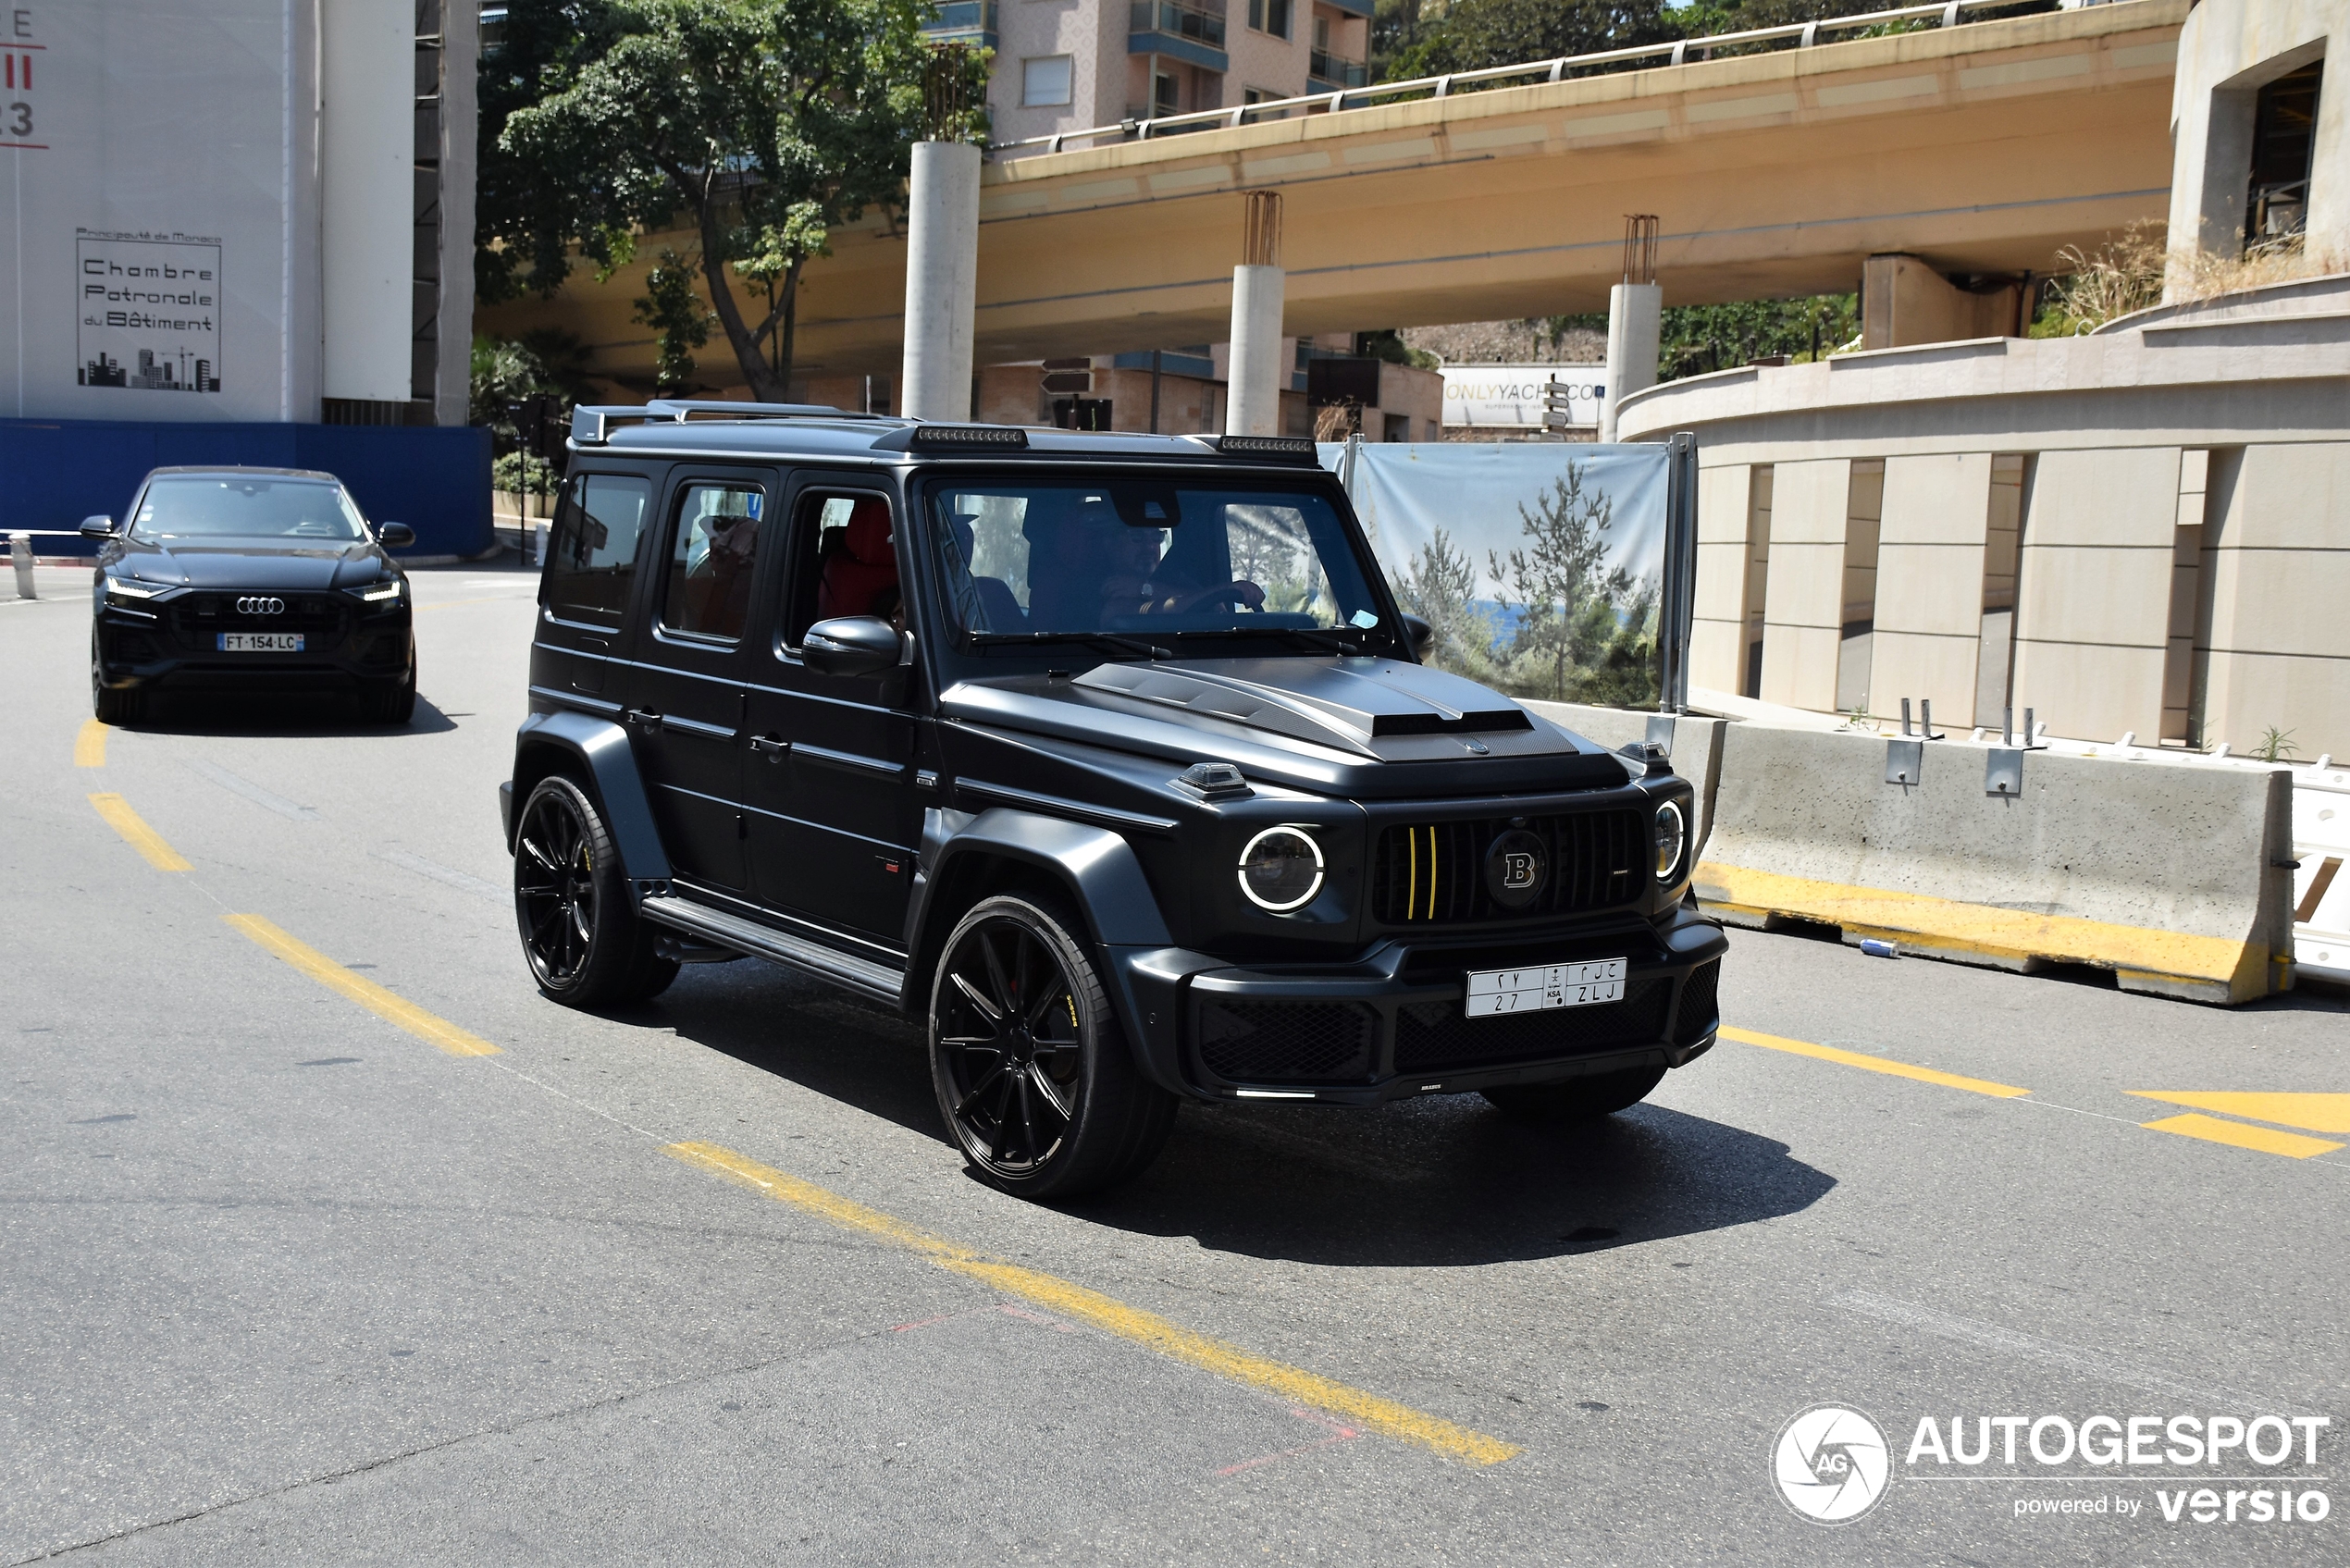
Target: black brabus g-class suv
(1110, 757)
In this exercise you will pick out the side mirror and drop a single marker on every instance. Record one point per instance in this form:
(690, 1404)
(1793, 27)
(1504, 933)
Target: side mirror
(1423, 635)
(851, 645)
(99, 527)
(395, 535)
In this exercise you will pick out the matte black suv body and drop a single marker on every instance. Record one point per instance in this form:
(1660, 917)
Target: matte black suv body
(313, 604)
(841, 798)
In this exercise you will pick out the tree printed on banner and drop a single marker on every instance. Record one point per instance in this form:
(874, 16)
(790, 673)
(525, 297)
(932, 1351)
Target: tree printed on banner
(1566, 625)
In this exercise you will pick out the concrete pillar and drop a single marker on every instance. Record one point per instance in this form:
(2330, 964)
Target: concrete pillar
(941, 281)
(1904, 301)
(1260, 354)
(1635, 326)
(367, 182)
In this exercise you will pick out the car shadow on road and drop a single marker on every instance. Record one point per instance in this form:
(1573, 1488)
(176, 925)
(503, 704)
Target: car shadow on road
(1444, 1181)
(302, 714)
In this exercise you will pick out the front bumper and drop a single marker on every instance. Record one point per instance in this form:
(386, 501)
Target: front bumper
(164, 649)
(1390, 1025)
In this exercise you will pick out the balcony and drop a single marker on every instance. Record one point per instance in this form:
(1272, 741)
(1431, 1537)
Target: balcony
(964, 21)
(1328, 73)
(1191, 33)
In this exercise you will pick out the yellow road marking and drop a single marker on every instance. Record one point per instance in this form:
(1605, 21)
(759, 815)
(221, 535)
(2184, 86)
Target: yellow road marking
(1875, 1063)
(1144, 1329)
(138, 834)
(2318, 1113)
(366, 992)
(2266, 1140)
(89, 746)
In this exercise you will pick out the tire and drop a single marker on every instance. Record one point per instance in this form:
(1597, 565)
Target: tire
(1034, 1078)
(112, 705)
(580, 932)
(394, 705)
(1577, 1100)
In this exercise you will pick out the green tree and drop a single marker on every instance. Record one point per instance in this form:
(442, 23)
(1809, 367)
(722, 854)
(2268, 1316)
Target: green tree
(761, 124)
(1473, 34)
(519, 233)
(1571, 606)
(1440, 589)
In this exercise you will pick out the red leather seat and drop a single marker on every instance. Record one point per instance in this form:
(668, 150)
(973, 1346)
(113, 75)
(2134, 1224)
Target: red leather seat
(861, 566)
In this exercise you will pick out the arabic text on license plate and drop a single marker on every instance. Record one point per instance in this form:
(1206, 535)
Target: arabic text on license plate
(1494, 993)
(261, 642)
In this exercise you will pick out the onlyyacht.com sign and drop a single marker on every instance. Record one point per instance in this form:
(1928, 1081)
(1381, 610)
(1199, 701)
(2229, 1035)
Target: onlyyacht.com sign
(1511, 397)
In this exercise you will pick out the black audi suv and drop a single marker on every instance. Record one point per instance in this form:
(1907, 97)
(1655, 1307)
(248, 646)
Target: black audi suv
(266, 579)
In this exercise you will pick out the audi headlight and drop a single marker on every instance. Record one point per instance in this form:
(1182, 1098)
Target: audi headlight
(1280, 869)
(1672, 839)
(123, 588)
(375, 593)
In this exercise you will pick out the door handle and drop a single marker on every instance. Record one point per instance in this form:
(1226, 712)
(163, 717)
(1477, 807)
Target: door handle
(773, 748)
(644, 718)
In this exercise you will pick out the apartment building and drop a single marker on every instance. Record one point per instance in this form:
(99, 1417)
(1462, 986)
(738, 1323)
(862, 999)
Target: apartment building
(1071, 65)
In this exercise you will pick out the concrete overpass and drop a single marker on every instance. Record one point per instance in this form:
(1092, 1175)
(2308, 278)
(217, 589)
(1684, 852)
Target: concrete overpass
(1984, 148)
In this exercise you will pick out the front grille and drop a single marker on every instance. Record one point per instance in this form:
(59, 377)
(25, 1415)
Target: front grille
(1287, 1041)
(1433, 874)
(1699, 1009)
(197, 617)
(1430, 1036)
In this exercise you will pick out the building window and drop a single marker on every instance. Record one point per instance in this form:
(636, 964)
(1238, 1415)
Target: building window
(1269, 16)
(1044, 82)
(1167, 95)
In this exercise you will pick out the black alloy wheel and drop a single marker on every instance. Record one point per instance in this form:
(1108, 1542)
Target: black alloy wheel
(1576, 1100)
(392, 705)
(1033, 1076)
(586, 946)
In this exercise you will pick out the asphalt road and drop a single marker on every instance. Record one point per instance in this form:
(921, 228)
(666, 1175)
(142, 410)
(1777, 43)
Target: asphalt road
(286, 1275)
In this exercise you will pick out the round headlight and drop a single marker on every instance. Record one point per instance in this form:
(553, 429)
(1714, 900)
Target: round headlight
(1280, 869)
(1672, 837)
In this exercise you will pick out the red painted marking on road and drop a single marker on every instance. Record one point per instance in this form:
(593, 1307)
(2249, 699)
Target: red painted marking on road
(1343, 1434)
(926, 1322)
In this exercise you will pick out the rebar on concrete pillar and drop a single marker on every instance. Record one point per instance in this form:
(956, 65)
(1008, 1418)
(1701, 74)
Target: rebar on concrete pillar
(1253, 406)
(941, 281)
(1635, 320)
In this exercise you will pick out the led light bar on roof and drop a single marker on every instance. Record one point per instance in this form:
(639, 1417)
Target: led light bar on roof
(999, 437)
(1292, 447)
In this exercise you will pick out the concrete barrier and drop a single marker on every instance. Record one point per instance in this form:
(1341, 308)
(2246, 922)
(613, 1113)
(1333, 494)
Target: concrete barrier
(2176, 877)
(1695, 744)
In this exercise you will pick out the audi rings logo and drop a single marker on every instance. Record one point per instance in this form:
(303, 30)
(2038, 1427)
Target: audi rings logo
(1830, 1463)
(255, 604)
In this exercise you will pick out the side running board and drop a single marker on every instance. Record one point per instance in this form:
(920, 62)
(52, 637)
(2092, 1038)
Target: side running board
(880, 982)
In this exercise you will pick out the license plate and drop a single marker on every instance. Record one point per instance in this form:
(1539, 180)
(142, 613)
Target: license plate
(260, 642)
(1492, 993)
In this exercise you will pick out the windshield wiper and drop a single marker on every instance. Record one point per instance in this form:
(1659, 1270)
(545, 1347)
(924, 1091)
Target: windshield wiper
(1330, 639)
(1100, 639)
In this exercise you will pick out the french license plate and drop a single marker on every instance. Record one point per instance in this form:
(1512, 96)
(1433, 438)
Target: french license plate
(1492, 993)
(260, 642)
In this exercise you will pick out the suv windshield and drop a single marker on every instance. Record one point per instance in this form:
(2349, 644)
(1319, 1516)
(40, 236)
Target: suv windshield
(240, 506)
(1072, 557)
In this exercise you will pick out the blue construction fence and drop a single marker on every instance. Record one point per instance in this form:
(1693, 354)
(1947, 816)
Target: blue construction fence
(54, 473)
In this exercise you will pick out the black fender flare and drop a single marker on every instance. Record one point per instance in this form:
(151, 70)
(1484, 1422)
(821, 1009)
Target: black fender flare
(1098, 868)
(599, 749)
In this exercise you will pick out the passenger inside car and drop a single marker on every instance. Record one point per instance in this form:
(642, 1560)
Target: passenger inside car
(859, 565)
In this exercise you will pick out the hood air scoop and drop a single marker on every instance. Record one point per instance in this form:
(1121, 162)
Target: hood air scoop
(1354, 704)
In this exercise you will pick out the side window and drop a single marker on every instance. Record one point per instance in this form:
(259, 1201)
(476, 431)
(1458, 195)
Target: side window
(592, 558)
(846, 562)
(713, 555)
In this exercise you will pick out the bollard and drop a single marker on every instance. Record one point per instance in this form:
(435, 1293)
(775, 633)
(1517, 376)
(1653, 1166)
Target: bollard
(21, 557)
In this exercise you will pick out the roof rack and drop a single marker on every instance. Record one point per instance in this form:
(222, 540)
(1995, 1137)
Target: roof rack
(591, 425)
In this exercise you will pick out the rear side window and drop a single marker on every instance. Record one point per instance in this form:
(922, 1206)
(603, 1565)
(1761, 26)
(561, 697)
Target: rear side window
(591, 559)
(713, 557)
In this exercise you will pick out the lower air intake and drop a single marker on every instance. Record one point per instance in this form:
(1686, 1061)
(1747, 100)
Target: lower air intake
(1287, 1041)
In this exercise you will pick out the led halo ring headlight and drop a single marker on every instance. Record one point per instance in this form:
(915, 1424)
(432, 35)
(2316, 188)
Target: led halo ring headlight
(1672, 840)
(1281, 869)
